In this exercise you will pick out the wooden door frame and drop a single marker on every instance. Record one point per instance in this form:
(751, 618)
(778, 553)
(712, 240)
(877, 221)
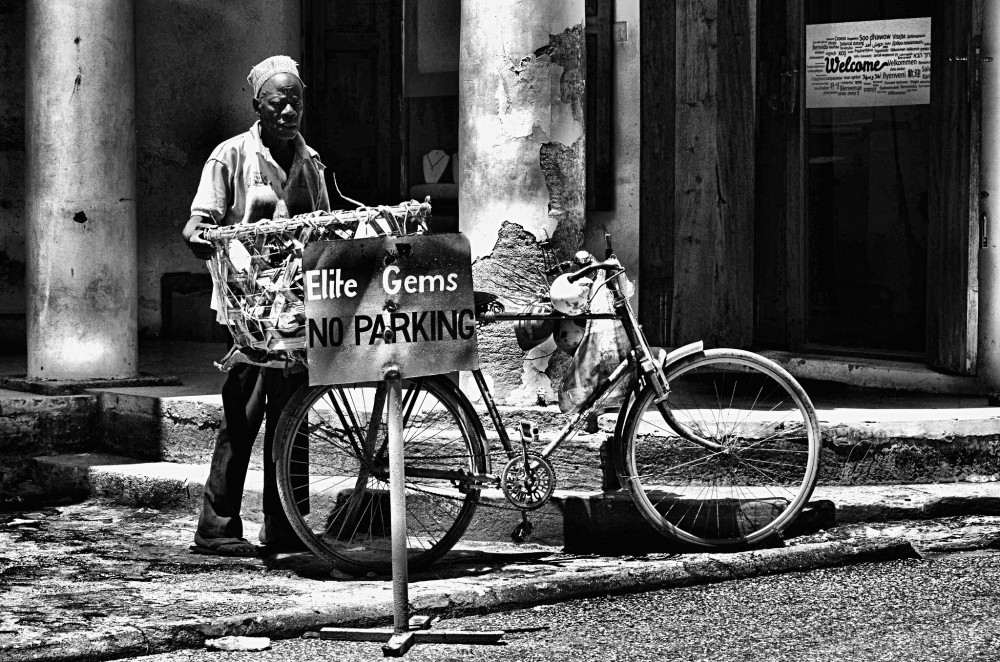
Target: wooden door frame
(780, 251)
(657, 115)
(696, 187)
(953, 255)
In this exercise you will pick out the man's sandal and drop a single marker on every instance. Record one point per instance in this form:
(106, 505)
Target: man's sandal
(239, 547)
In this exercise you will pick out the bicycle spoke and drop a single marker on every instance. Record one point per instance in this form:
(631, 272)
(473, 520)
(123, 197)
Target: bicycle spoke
(344, 508)
(758, 463)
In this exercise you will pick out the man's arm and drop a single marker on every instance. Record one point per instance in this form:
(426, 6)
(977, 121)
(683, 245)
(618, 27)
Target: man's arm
(201, 247)
(215, 194)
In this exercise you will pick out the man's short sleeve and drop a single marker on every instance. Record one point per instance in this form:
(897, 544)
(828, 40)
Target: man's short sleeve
(214, 194)
(321, 196)
(323, 201)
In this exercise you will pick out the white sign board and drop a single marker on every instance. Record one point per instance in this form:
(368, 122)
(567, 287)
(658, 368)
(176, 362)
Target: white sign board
(389, 302)
(868, 63)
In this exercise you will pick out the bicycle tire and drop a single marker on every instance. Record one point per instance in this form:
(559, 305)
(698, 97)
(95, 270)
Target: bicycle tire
(759, 477)
(326, 450)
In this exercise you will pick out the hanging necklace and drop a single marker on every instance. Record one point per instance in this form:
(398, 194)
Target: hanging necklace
(433, 169)
(433, 164)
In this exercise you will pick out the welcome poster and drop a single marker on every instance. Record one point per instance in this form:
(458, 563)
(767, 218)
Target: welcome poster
(868, 63)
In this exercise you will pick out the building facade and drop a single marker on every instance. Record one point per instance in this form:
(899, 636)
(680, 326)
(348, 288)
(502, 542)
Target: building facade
(766, 187)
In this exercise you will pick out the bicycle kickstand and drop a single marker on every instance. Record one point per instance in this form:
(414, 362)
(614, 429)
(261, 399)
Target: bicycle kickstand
(523, 530)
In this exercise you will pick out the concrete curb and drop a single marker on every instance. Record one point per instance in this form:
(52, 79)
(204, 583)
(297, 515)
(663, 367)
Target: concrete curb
(886, 503)
(582, 522)
(468, 595)
(168, 485)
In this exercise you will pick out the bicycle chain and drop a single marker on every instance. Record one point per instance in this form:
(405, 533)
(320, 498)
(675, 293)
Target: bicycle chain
(479, 502)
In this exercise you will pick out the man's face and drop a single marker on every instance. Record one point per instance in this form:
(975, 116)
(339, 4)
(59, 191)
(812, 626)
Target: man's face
(280, 106)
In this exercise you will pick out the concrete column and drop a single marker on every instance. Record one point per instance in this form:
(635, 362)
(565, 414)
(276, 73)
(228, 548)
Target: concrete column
(521, 169)
(989, 254)
(80, 189)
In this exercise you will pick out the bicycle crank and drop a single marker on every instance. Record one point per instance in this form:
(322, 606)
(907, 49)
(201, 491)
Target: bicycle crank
(528, 481)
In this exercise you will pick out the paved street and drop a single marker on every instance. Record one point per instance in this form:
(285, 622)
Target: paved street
(91, 581)
(937, 608)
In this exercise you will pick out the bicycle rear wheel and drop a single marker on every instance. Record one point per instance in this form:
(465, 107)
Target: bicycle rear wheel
(730, 458)
(332, 468)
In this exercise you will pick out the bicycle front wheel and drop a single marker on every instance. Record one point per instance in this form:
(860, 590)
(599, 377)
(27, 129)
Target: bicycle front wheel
(730, 458)
(333, 471)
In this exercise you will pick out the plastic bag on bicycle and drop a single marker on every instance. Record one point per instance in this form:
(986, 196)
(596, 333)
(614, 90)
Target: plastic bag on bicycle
(603, 347)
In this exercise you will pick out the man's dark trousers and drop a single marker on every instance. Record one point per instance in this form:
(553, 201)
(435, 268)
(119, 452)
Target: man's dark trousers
(251, 395)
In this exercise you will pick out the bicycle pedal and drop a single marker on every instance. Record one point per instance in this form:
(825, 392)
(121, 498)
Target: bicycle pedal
(522, 531)
(529, 432)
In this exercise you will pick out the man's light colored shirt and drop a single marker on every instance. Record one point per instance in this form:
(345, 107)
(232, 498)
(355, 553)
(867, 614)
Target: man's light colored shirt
(242, 162)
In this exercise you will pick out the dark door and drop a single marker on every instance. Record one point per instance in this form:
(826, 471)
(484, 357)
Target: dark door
(865, 178)
(353, 72)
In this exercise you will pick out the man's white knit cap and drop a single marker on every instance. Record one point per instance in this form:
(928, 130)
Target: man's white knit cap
(276, 64)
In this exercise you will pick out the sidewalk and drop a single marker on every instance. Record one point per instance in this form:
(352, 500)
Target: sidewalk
(90, 581)
(112, 576)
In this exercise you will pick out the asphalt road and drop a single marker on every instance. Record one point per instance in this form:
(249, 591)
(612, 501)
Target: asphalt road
(942, 607)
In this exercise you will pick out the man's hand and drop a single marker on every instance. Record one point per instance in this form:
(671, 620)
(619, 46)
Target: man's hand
(201, 247)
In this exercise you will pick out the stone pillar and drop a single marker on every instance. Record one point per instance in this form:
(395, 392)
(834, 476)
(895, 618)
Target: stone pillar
(522, 168)
(80, 189)
(988, 362)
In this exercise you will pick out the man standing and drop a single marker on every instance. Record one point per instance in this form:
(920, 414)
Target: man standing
(266, 172)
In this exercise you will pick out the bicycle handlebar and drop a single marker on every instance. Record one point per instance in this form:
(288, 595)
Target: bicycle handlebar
(591, 268)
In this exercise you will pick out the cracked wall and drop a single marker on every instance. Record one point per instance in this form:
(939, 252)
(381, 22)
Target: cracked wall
(521, 135)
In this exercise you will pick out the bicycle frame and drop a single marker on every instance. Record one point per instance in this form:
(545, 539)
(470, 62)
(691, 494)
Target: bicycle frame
(639, 361)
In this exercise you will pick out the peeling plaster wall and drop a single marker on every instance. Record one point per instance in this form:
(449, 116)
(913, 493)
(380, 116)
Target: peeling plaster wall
(521, 137)
(191, 64)
(515, 98)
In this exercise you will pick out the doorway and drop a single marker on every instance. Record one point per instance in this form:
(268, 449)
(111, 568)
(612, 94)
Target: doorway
(867, 174)
(352, 62)
(866, 164)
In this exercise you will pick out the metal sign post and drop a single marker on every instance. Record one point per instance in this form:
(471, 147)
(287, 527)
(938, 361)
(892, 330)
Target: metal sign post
(402, 638)
(378, 309)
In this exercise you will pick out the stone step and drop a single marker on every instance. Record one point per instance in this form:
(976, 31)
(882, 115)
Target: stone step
(862, 444)
(171, 424)
(580, 521)
(33, 424)
(168, 423)
(869, 437)
(180, 486)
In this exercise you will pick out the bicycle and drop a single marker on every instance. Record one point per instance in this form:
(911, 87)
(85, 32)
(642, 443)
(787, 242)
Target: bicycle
(717, 448)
